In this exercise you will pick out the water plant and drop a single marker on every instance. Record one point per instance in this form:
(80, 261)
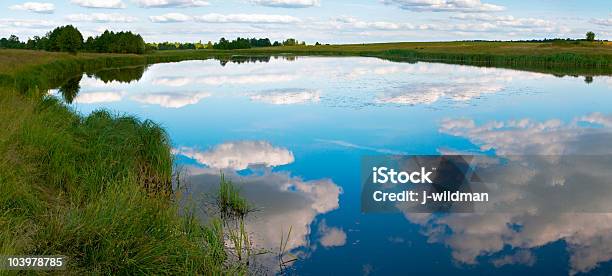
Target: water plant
(230, 202)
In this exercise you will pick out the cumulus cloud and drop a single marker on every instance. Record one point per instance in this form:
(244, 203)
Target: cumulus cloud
(247, 18)
(287, 3)
(98, 97)
(101, 18)
(38, 7)
(170, 18)
(287, 96)
(239, 155)
(331, 236)
(171, 99)
(445, 5)
(171, 3)
(100, 4)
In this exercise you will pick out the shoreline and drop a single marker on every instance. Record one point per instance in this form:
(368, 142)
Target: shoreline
(27, 69)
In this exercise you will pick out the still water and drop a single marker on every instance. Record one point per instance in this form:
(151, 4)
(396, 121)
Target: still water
(291, 132)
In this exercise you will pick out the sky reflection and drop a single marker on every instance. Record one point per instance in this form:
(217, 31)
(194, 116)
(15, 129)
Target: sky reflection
(291, 133)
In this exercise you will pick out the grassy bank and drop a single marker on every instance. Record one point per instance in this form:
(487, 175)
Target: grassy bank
(581, 58)
(96, 189)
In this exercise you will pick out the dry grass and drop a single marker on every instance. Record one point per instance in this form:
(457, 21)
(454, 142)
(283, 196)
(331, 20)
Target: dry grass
(501, 48)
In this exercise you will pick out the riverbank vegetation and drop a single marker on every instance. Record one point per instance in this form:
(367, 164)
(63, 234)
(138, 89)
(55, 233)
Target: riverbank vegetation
(96, 189)
(223, 44)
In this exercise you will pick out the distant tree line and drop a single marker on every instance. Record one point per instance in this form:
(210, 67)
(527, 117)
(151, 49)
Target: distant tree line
(590, 36)
(69, 39)
(224, 44)
(179, 46)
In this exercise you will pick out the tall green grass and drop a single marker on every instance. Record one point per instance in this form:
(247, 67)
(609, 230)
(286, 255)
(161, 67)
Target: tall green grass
(231, 203)
(96, 189)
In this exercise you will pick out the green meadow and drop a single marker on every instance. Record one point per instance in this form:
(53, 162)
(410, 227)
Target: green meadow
(98, 188)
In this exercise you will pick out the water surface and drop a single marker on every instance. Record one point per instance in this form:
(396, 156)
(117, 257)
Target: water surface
(291, 132)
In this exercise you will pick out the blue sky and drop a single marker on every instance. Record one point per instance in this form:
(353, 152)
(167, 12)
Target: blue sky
(325, 21)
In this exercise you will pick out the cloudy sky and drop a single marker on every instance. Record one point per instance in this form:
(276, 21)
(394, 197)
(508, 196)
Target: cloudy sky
(327, 21)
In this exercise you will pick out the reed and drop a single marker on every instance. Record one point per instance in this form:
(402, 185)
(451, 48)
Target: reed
(231, 203)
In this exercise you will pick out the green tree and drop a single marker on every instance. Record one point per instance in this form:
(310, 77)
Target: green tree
(65, 39)
(590, 36)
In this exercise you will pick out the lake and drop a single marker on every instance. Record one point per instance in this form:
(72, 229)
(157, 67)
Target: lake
(291, 131)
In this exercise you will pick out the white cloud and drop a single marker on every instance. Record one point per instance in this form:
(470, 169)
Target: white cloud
(28, 23)
(172, 81)
(98, 97)
(246, 18)
(507, 21)
(171, 99)
(470, 23)
(348, 21)
(445, 5)
(100, 4)
(603, 22)
(239, 155)
(171, 3)
(288, 3)
(101, 18)
(287, 96)
(331, 236)
(38, 7)
(170, 18)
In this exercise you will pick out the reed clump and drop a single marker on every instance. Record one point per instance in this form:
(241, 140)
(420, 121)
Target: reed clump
(231, 203)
